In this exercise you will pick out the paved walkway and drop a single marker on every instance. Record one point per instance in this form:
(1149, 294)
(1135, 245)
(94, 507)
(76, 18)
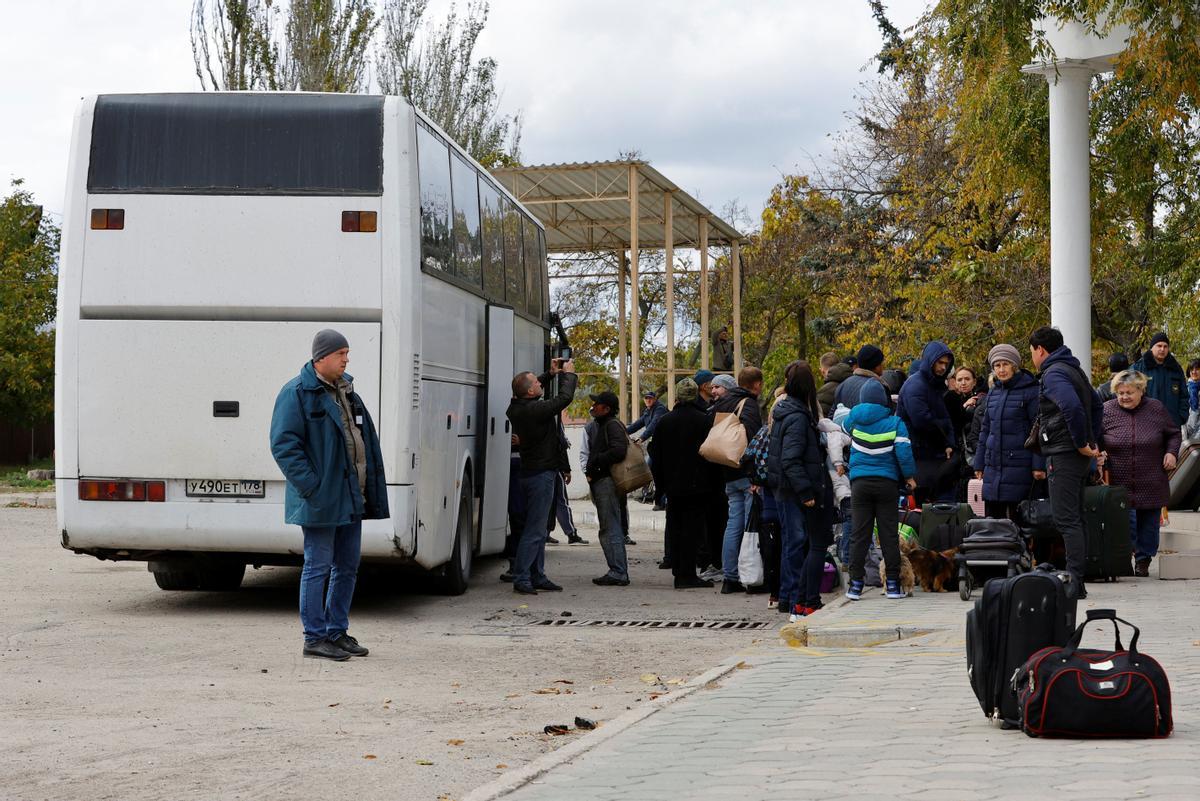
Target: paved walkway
(895, 720)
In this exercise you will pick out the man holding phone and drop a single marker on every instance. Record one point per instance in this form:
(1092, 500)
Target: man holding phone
(535, 422)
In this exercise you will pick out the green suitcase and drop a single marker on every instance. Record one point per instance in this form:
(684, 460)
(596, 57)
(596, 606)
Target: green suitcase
(943, 525)
(1106, 519)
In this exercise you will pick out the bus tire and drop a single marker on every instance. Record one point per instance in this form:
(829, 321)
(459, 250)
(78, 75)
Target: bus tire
(222, 577)
(177, 580)
(456, 573)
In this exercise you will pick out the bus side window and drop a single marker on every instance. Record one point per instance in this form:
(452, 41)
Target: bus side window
(533, 269)
(514, 267)
(467, 256)
(544, 270)
(493, 241)
(433, 168)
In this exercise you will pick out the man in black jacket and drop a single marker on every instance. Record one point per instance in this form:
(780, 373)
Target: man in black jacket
(685, 476)
(737, 479)
(1070, 419)
(607, 447)
(536, 424)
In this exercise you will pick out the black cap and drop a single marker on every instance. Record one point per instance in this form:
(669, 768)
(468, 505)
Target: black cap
(609, 399)
(649, 394)
(869, 357)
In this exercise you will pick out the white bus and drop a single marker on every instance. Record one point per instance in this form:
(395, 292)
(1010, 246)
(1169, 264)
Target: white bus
(207, 237)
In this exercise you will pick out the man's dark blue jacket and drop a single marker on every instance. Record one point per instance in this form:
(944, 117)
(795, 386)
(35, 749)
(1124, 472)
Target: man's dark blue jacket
(1167, 384)
(1064, 420)
(922, 406)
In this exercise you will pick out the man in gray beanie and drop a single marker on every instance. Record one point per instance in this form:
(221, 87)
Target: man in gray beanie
(325, 443)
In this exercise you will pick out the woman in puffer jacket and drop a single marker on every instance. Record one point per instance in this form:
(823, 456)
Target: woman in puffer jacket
(1007, 469)
(797, 475)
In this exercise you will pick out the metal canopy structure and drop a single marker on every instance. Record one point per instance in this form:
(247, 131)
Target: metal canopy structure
(621, 206)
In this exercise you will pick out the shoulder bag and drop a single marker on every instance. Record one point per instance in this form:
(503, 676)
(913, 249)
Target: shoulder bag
(632, 472)
(726, 441)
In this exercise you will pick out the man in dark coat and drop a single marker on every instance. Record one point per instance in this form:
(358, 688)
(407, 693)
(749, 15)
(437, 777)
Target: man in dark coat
(1166, 382)
(869, 368)
(737, 479)
(607, 447)
(686, 477)
(1117, 363)
(325, 444)
(648, 421)
(834, 371)
(1070, 420)
(1008, 413)
(922, 407)
(536, 422)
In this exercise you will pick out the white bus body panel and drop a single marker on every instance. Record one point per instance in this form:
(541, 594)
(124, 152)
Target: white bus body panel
(496, 429)
(156, 420)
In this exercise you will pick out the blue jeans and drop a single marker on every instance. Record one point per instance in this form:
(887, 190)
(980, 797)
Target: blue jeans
(738, 493)
(794, 546)
(844, 542)
(609, 506)
(1143, 532)
(330, 555)
(537, 486)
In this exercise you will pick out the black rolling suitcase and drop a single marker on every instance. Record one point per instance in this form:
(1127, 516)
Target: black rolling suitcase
(1013, 619)
(1106, 520)
(943, 525)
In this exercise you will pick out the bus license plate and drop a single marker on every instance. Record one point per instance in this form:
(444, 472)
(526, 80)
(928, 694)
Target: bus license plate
(224, 488)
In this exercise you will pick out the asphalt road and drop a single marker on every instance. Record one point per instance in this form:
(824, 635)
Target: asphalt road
(114, 689)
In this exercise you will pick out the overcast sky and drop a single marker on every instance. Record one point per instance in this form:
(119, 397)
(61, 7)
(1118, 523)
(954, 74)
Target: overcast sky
(722, 97)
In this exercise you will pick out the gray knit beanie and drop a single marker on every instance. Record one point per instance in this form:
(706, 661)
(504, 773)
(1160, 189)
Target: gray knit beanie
(725, 380)
(1006, 353)
(326, 342)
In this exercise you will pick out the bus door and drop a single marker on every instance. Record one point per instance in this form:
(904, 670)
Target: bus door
(498, 440)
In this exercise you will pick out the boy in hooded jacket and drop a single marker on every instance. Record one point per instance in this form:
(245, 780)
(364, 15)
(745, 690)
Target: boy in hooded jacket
(881, 459)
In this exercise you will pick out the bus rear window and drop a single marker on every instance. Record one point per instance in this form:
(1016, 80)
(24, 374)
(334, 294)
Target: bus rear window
(237, 144)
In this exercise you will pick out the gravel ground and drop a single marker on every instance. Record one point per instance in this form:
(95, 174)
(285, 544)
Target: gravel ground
(114, 689)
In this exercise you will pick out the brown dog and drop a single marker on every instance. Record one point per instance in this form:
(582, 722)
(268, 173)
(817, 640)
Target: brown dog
(934, 570)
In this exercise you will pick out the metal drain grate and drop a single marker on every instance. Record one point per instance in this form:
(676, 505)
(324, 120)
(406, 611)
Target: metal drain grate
(656, 624)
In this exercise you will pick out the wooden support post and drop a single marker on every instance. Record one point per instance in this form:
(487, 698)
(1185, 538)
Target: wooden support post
(669, 257)
(622, 353)
(705, 353)
(735, 259)
(635, 315)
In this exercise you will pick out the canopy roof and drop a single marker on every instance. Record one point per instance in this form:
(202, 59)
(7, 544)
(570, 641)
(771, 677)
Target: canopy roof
(589, 206)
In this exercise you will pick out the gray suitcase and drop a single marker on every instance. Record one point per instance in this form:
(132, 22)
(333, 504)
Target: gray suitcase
(1185, 478)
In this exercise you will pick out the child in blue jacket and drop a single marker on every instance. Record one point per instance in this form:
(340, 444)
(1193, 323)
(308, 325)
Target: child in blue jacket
(881, 458)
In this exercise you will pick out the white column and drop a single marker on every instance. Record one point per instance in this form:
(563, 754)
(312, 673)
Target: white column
(635, 309)
(1071, 209)
(735, 262)
(705, 353)
(669, 258)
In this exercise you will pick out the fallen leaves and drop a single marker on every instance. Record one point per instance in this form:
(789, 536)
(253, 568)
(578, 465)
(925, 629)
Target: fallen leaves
(501, 766)
(650, 678)
(455, 742)
(424, 761)
(370, 756)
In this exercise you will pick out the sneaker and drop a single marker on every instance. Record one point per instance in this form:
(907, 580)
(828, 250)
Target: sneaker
(772, 602)
(728, 587)
(349, 645)
(324, 649)
(551, 541)
(893, 590)
(628, 541)
(692, 582)
(575, 539)
(610, 581)
(800, 610)
(506, 576)
(854, 590)
(665, 565)
(1141, 568)
(712, 573)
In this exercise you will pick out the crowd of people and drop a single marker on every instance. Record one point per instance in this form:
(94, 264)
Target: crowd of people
(834, 454)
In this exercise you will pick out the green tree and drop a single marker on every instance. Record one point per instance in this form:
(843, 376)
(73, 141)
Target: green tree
(326, 45)
(439, 73)
(232, 44)
(28, 284)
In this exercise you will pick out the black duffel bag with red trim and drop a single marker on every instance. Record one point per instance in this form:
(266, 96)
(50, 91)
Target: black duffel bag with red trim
(1070, 691)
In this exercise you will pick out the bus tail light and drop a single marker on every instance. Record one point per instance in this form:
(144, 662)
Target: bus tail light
(365, 222)
(96, 490)
(108, 219)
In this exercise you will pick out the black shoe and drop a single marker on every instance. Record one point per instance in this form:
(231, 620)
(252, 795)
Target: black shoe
(575, 539)
(507, 576)
(1141, 568)
(324, 649)
(551, 541)
(547, 586)
(608, 581)
(658, 507)
(694, 582)
(629, 541)
(665, 565)
(729, 587)
(783, 608)
(349, 645)
(524, 589)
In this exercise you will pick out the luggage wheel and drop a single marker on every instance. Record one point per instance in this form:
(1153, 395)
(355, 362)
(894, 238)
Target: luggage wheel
(964, 584)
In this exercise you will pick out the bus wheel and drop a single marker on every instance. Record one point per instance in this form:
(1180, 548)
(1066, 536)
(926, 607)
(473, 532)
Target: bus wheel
(224, 577)
(177, 579)
(457, 572)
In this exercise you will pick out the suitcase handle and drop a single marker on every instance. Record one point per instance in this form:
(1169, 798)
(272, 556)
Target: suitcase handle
(1103, 614)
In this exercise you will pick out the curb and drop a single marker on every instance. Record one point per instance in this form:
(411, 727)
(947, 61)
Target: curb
(829, 634)
(33, 500)
(513, 780)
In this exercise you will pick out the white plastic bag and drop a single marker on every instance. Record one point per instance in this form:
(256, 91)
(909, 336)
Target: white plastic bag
(750, 563)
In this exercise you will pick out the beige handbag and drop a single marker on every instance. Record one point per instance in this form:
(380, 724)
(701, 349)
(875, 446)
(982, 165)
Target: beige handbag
(632, 472)
(726, 441)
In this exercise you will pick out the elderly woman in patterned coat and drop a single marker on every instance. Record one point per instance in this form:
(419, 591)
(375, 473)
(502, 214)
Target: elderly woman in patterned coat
(1141, 442)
